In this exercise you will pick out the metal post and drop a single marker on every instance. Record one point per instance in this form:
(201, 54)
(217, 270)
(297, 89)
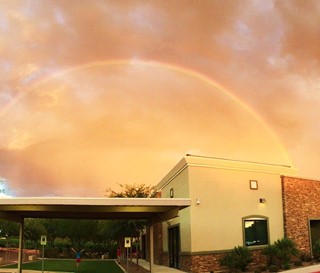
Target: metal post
(127, 259)
(42, 257)
(20, 246)
(151, 249)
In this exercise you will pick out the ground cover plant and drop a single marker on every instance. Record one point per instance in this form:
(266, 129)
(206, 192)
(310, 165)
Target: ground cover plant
(280, 256)
(238, 259)
(70, 266)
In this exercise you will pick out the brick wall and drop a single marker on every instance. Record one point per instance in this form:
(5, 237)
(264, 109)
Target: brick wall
(157, 243)
(205, 263)
(165, 259)
(301, 201)
(200, 263)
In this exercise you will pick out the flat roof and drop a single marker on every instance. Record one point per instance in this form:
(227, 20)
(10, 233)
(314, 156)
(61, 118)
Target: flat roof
(152, 209)
(198, 161)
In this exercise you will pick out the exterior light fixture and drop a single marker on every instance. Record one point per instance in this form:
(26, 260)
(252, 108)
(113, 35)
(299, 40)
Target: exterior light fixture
(171, 193)
(198, 201)
(263, 200)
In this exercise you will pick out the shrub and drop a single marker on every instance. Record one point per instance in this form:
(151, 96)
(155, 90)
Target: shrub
(298, 263)
(271, 253)
(51, 252)
(263, 268)
(62, 243)
(239, 258)
(244, 257)
(285, 250)
(273, 268)
(257, 270)
(286, 266)
(305, 257)
(229, 261)
(316, 249)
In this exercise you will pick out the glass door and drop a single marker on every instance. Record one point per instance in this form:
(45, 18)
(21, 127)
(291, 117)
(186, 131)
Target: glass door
(174, 246)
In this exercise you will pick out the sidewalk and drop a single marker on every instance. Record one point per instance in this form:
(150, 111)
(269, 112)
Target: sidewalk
(158, 268)
(14, 270)
(164, 269)
(307, 269)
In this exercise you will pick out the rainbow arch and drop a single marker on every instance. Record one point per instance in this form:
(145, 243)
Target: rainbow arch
(125, 62)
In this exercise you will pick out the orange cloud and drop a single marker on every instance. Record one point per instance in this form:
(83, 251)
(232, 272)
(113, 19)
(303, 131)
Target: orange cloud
(111, 124)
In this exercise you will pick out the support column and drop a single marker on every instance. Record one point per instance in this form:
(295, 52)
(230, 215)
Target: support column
(151, 248)
(20, 254)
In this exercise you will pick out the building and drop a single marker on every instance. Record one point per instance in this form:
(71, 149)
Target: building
(233, 203)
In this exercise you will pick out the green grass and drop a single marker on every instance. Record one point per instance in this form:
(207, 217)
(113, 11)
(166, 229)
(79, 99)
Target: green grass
(70, 266)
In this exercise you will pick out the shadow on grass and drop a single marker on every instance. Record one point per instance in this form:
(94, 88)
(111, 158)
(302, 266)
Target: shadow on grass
(93, 266)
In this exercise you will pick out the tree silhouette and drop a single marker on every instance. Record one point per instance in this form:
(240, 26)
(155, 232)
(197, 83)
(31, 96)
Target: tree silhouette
(132, 228)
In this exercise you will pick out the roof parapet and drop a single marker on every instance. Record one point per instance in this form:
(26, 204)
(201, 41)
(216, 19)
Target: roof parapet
(224, 163)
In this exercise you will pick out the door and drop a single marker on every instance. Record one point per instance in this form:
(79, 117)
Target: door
(174, 246)
(314, 232)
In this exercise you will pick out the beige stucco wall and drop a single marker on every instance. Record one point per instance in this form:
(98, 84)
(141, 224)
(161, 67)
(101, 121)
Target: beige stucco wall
(222, 188)
(181, 190)
(225, 198)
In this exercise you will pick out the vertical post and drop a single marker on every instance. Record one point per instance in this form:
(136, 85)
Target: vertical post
(151, 248)
(43, 241)
(127, 259)
(20, 246)
(42, 257)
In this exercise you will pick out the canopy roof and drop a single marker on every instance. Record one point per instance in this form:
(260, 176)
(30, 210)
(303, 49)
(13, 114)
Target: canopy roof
(152, 209)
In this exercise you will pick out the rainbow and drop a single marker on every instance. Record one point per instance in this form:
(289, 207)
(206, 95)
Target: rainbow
(125, 62)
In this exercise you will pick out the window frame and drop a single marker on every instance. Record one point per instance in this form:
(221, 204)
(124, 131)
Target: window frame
(255, 217)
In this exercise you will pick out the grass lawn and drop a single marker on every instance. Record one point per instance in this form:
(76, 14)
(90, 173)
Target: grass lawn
(70, 266)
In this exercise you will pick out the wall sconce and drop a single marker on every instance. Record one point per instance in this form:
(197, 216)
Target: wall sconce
(171, 193)
(263, 200)
(198, 201)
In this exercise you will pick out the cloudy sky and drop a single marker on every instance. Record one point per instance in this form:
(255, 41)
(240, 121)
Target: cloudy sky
(98, 93)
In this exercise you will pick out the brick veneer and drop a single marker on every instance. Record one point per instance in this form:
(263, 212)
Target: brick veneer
(201, 263)
(158, 246)
(301, 201)
(204, 263)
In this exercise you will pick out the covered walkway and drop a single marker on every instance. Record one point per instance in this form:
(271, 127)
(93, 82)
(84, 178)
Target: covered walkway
(154, 210)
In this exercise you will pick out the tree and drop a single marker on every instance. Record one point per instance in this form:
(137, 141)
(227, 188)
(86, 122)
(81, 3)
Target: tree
(52, 227)
(104, 240)
(132, 191)
(78, 231)
(33, 230)
(131, 227)
(8, 228)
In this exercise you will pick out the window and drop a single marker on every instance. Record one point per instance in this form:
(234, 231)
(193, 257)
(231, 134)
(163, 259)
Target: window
(255, 231)
(253, 184)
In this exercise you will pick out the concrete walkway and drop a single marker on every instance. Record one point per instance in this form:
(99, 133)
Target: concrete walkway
(14, 270)
(165, 269)
(158, 268)
(307, 269)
